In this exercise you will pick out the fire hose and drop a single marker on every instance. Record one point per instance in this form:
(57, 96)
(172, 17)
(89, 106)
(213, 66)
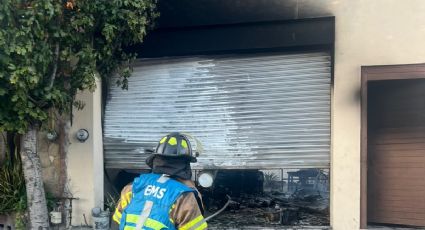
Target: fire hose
(221, 210)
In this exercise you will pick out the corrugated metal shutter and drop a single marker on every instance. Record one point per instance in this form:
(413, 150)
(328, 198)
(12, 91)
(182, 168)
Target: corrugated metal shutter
(249, 111)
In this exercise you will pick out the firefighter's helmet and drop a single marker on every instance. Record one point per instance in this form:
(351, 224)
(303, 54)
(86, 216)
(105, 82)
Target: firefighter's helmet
(176, 145)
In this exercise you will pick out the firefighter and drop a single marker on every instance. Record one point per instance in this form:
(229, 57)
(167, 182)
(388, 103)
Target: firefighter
(167, 197)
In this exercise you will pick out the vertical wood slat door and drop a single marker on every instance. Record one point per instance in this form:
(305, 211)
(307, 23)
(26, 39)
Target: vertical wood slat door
(396, 152)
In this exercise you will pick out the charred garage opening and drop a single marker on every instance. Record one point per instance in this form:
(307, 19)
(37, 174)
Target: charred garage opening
(253, 198)
(255, 92)
(268, 198)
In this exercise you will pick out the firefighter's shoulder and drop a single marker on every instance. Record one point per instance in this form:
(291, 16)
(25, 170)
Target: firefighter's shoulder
(186, 213)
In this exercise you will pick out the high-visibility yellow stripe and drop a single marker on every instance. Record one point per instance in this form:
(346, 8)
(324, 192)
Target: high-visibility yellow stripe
(117, 218)
(118, 213)
(129, 228)
(154, 224)
(172, 207)
(202, 227)
(184, 144)
(131, 218)
(150, 223)
(128, 196)
(163, 140)
(123, 203)
(172, 141)
(192, 223)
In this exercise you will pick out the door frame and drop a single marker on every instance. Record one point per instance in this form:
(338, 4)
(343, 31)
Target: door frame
(378, 73)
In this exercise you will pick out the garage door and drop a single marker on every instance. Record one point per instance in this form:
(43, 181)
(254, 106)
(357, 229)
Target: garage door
(249, 111)
(396, 152)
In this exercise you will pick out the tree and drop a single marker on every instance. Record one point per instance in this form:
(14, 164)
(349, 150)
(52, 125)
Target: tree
(51, 49)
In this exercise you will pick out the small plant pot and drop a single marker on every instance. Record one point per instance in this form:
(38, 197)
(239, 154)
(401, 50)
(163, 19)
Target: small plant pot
(8, 221)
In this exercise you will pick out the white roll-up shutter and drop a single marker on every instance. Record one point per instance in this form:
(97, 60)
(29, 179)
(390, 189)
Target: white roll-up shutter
(249, 111)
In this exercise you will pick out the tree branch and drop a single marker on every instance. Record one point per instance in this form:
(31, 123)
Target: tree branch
(55, 66)
(37, 103)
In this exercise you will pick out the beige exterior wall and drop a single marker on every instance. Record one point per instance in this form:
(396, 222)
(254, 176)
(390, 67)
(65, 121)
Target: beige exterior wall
(85, 160)
(378, 32)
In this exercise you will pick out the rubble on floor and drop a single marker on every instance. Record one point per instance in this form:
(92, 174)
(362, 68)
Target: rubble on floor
(272, 210)
(257, 201)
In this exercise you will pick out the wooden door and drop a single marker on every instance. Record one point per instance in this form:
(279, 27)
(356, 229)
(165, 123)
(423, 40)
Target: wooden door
(396, 152)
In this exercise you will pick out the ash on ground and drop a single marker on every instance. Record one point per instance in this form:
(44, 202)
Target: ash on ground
(255, 204)
(270, 211)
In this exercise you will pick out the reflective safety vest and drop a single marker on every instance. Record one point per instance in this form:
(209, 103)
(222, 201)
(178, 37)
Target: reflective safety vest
(153, 197)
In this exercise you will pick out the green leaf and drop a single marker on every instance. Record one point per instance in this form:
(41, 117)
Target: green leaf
(11, 66)
(90, 37)
(14, 98)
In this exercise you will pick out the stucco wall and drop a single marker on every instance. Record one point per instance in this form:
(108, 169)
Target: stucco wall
(85, 160)
(378, 32)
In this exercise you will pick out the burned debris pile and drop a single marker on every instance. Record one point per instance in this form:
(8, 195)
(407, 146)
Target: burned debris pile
(265, 200)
